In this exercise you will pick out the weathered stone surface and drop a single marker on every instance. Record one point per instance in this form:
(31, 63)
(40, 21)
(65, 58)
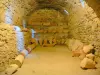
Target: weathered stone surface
(84, 23)
(78, 45)
(87, 48)
(74, 45)
(82, 56)
(27, 38)
(49, 23)
(15, 11)
(87, 63)
(90, 56)
(8, 48)
(76, 53)
(11, 69)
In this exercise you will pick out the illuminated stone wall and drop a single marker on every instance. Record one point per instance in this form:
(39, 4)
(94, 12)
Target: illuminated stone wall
(8, 47)
(84, 23)
(14, 11)
(49, 24)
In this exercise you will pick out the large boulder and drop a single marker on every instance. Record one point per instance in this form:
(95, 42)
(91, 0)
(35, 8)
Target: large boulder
(77, 53)
(78, 45)
(90, 56)
(74, 44)
(82, 56)
(69, 43)
(87, 63)
(87, 49)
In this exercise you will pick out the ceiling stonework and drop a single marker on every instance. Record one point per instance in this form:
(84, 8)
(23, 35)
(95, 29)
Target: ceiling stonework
(19, 9)
(15, 10)
(58, 5)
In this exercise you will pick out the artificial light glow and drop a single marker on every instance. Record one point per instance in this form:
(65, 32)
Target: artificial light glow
(8, 16)
(83, 3)
(66, 12)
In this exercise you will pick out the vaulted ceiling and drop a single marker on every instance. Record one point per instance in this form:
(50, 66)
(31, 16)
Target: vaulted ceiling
(19, 9)
(50, 4)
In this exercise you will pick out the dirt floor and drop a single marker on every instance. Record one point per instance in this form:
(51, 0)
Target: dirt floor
(53, 61)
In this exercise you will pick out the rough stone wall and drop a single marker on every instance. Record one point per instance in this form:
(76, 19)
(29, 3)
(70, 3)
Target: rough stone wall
(49, 24)
(83, 23)
(8, 48)
(95, 5)
(27, 38)
(14, 11)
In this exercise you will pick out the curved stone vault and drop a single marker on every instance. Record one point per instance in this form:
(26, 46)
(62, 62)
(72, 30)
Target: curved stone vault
(81, 22)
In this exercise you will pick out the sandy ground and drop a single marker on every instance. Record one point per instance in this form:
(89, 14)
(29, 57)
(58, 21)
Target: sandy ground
(53, 61)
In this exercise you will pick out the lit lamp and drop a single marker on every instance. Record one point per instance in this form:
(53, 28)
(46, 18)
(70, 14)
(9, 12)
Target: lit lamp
(24, 26)
(33, 32)
(66, 12)
(24, 23)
